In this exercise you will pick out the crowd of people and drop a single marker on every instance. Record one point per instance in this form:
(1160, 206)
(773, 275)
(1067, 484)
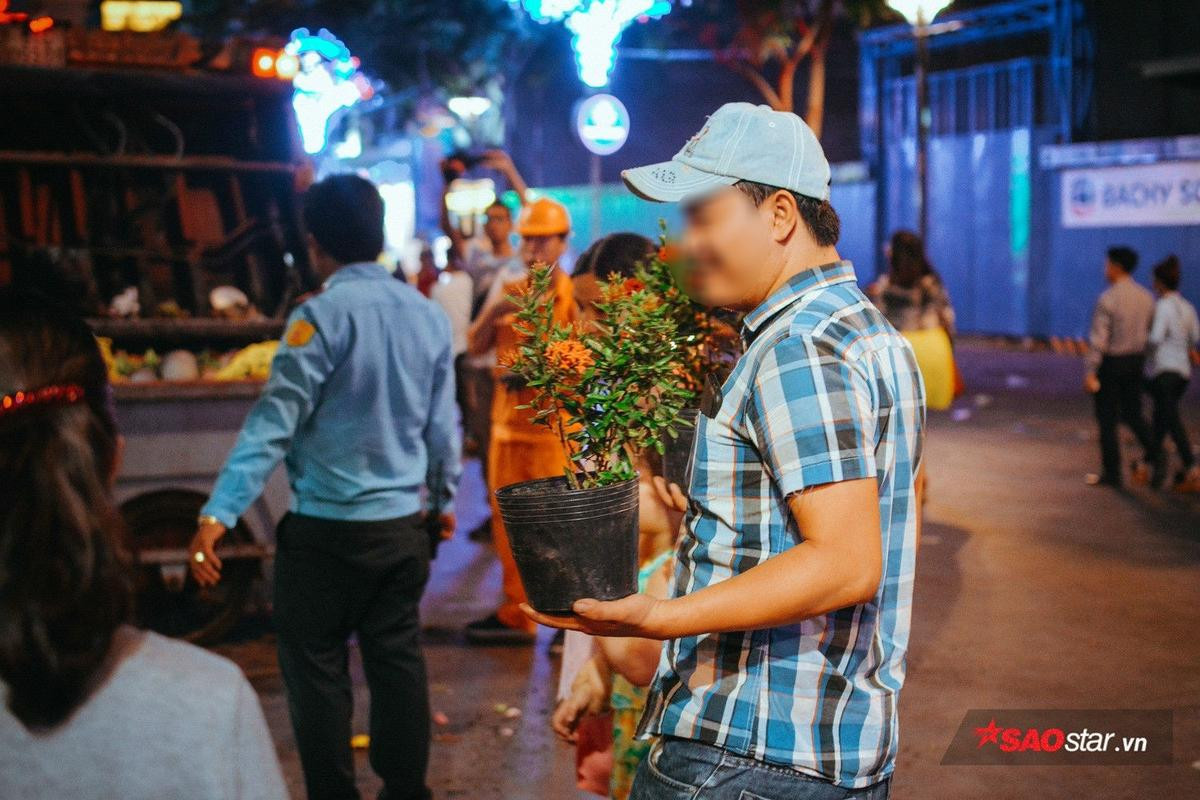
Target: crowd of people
(823, 436)
(764, 652)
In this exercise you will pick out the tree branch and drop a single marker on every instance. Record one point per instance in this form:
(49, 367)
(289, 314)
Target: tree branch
(762, 84)
(819, 31)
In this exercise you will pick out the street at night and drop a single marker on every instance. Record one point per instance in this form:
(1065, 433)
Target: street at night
(1033, 590)
(599, 399)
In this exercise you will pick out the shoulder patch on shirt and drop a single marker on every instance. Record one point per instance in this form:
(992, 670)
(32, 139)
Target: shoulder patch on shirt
(299, 333)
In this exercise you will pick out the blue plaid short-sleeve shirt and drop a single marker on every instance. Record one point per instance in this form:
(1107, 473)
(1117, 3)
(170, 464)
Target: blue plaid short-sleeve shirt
(827, 391)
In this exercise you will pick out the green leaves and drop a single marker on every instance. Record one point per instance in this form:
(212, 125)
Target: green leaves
(611, 390)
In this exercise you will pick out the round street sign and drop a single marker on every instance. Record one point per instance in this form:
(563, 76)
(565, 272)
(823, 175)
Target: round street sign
(602, 123)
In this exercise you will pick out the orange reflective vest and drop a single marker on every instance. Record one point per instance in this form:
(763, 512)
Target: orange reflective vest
(510, 423)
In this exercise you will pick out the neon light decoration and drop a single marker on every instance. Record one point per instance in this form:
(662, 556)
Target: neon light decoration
(919, 12)
(326, 81)
(596, 27)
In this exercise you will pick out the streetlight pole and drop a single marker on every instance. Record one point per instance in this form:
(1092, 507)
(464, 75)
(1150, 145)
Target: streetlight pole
(921, 71)
(920, 14)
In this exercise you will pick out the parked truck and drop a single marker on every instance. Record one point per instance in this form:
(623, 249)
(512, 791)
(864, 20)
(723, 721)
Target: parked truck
(146, 193)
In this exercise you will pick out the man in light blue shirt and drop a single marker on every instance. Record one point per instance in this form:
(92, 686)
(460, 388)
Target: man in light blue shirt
(360, 406)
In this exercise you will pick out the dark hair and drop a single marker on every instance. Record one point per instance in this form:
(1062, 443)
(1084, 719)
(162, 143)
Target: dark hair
(1167, 271)
(63, 566)
(498, 203)
(1124, 257)
(907, 262)
(617, 253)
(818, 215)
(344, 213)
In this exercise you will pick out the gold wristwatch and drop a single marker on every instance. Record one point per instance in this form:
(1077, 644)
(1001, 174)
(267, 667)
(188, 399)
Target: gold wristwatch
(206, 519)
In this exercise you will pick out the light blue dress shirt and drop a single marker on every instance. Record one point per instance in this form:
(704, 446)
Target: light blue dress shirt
(362, 412)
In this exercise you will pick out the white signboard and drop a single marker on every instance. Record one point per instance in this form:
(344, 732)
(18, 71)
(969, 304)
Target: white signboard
(1155, 194)
(602, 124)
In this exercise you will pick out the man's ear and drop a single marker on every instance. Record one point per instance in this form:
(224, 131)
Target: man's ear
(785, 215)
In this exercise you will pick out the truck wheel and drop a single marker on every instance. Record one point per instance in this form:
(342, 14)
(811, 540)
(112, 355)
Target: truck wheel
(169, 601)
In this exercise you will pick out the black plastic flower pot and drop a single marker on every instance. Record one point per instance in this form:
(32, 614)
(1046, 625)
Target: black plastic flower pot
(677, 451)
(572, 543)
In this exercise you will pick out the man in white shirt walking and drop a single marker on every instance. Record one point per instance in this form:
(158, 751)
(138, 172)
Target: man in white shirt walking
(1115, 363)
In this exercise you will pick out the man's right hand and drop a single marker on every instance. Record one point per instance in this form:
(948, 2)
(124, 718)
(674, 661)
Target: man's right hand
(1091, 384)
(202, 556)
(446, 524)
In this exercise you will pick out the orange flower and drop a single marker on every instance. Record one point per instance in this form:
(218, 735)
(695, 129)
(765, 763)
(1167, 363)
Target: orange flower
(633, 285)
(569, 357)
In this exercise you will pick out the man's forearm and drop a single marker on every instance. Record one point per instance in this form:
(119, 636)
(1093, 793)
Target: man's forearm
(806, 581)
(1097, 339)
(517, 182)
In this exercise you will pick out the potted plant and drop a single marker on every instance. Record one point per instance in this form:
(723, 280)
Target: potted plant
(608, 392)
(707, 344)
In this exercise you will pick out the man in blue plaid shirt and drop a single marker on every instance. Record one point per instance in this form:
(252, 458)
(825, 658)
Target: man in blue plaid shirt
(786, 636)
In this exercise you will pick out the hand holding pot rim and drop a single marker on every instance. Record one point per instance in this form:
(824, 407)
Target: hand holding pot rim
(638, 615)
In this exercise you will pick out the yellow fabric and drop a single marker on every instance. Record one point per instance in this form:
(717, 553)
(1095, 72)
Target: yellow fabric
(935, 358)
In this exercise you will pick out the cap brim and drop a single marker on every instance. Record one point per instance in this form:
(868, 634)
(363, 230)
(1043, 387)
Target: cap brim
(673, 182)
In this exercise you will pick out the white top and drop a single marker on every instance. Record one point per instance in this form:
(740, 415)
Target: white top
(481, 263)
(453, 292)
(171, 720)
(506, 272)
(1174, 332)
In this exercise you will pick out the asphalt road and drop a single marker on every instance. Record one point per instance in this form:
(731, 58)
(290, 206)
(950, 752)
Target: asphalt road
(1033, 591)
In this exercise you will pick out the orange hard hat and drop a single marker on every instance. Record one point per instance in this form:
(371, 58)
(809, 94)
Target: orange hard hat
(544, 217)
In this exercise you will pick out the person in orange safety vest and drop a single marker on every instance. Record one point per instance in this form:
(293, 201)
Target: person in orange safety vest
(519, 450)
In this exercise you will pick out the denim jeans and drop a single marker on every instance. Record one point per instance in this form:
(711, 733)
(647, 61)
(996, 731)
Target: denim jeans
(679, 769)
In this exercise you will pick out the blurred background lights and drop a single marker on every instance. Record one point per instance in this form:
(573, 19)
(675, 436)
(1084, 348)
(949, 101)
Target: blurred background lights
(595, 26)
(326, 80)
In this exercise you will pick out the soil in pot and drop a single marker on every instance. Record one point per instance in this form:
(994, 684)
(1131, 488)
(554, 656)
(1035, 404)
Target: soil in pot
(567, 545)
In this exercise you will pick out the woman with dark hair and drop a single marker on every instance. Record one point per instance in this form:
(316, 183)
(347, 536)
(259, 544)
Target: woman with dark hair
(913, 298)
(1173, 338)
(615, 254)
(93, 707)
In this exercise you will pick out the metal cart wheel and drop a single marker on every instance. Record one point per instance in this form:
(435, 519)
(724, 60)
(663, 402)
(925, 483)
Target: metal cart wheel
(169, 601)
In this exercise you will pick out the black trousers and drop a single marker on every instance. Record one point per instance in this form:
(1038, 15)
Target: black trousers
(1120, 400)
(1167, 390)
(335, 578)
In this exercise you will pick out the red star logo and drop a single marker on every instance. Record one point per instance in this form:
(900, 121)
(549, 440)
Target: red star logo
(988, 734)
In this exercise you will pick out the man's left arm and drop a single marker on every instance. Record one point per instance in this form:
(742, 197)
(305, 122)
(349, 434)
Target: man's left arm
(813, 422)
(304, 360)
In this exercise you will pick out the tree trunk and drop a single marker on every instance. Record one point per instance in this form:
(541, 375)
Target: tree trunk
(760, 83)
(814, 113)
(787, 86)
